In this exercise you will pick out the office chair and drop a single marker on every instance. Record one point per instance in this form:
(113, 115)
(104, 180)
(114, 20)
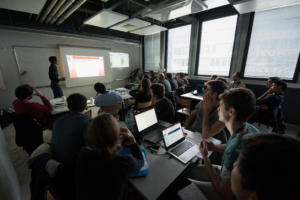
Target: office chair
(29, 133)
(112, 109)
(185, 104)
(143, 105)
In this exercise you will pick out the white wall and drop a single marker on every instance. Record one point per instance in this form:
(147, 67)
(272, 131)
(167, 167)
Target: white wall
(9, 68)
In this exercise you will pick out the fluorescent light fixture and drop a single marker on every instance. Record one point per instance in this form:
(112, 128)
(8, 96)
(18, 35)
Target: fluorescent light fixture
(130, 25)
(179, 12)
(248, 6)
(188, 7)
(105, 18)
(149, 30)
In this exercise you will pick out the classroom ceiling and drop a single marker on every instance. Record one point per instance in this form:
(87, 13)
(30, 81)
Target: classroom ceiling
(129, 19)
(123, 18)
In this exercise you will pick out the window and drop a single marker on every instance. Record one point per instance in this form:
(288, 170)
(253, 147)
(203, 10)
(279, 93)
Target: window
(217, 39)
(152, 52)
(274, 44)
(178, 49)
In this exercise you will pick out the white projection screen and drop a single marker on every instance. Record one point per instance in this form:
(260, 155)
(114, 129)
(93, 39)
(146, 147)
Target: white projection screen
(85, 66)
(119, 60)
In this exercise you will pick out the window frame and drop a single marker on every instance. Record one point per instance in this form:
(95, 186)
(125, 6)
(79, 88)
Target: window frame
(246, 51)
(167, 44)
(223, 12)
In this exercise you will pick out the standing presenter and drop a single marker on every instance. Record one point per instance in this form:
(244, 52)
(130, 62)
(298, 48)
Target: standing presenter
(53, 76)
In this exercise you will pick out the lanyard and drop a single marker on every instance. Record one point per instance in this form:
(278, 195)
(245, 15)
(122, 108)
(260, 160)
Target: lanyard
(238, 130)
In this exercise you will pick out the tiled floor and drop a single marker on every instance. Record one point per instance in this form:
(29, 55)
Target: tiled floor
(20, 157)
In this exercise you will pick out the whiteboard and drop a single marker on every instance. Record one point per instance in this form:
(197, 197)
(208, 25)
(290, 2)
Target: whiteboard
(34, 61)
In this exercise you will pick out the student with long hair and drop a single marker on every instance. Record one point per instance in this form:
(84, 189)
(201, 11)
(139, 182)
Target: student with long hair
(101, 173)
(142, 94)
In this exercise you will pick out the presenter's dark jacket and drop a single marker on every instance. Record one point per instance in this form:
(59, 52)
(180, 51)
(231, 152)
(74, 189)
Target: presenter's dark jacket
(53, 74)
(100, 177)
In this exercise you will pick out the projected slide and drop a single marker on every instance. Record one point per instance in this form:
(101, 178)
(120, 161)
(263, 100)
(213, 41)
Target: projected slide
(119, 59)
(85, 66)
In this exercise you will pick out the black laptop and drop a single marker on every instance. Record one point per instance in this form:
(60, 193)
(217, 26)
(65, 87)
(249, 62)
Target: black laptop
(148, 126)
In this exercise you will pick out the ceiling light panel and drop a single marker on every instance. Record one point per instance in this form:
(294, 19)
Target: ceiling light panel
(28, 6)
(105, 18)
(149, 30)
(130, 25)
(181, 9)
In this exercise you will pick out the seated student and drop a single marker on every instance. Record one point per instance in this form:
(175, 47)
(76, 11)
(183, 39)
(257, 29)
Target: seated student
(22, 105)
(185, 80)
(236, 80)
(101, 173)
(163, 106)
(271, 80)
(267, 103)
(213, 77)
(69, 132)
(204, 118)
(181, 80)
(152, 76)
(105, 97)
(236, 106)
(165, 82)
(142, 94)
(266, 168)
(173, 82)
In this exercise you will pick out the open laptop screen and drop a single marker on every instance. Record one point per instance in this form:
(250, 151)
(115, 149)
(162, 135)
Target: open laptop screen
(172, 134)
(145, 119)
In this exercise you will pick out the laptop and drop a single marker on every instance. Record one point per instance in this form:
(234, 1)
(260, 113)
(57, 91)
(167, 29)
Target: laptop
(177, 145)
(148, 127)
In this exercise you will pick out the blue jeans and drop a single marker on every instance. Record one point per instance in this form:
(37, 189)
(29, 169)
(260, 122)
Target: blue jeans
(57, 91)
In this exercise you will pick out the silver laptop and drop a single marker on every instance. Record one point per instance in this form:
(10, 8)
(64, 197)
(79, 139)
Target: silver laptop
(177, 145)
(148, 126)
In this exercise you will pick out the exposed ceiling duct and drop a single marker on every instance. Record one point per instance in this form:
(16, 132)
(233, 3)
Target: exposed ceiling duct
(47, 11)
(246, 6)
(62, 10)
(70, 11)
(54, 11)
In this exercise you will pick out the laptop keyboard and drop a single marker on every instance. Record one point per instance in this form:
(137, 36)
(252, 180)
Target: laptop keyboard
(181, 148)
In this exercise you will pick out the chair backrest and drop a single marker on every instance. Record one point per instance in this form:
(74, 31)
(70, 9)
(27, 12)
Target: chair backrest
(183, 102)
(29, 133)
(113, 109)
(144, 105)
(110, 109)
